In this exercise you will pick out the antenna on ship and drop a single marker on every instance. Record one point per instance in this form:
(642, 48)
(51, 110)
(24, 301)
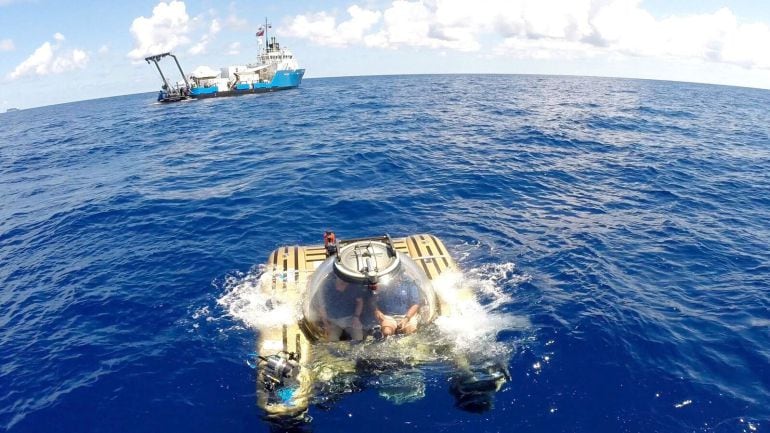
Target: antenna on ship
(267, 39)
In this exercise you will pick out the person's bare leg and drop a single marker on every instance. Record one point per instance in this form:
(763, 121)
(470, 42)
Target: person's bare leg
(333, 332)
(355, 330)
(388, 325)
(410, 327)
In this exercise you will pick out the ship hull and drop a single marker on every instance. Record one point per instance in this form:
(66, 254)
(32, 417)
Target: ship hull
(283, 80)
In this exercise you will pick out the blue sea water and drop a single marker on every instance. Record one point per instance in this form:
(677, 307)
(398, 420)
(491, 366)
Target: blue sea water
(624, 221)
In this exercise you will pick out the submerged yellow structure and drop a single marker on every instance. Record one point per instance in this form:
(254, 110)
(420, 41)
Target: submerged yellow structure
(362, 273)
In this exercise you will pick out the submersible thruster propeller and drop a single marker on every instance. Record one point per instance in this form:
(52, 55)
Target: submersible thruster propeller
(279, 367)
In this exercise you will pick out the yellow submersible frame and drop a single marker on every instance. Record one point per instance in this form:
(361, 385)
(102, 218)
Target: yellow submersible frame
(284, 387)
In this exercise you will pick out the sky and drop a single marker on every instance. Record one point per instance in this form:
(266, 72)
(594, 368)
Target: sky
(53, 51)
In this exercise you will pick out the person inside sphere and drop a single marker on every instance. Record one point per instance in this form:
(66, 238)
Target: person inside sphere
(341, 309)
(396, 309)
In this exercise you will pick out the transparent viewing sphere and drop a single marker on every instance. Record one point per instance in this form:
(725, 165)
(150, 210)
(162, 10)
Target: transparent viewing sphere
(366, 290)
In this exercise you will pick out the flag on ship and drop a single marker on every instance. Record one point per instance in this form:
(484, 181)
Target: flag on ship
(261, 30)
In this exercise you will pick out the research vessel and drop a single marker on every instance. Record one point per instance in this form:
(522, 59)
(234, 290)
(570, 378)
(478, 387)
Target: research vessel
(276, 68)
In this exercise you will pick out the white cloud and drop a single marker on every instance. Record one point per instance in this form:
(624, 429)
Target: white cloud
(198, 48)
(165, 30)
(420, 24)
(234, 20)
(215, 27)
(47, 59)
(236, 23)
(203, 43)
(323, 29)
(544, 29)
(76, 59)
(7, 45)
(234, 49)
(104, 49)
(545, 49)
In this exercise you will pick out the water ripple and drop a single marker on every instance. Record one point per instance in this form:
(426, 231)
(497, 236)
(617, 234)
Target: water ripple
(624, 220)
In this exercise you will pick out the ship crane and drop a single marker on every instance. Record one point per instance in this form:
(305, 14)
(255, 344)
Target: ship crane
(170, 92)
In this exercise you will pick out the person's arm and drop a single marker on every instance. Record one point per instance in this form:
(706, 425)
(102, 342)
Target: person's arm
(321, 305)
(377, 313)
(414, 298)
(409, 314)
(324, 318)
(412, 311)
(359, 310)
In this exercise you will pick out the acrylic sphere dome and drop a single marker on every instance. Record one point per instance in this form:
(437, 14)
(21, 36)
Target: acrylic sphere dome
(348, 289)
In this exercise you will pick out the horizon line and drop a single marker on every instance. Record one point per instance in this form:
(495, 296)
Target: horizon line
(15, 109)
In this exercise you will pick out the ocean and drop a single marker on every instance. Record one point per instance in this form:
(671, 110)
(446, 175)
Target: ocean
(615, 231)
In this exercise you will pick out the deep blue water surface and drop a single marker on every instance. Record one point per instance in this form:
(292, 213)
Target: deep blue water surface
(637, 214)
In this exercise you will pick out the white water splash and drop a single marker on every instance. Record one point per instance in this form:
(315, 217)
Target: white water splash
(489, 282)
(475, 299)
(246, 302)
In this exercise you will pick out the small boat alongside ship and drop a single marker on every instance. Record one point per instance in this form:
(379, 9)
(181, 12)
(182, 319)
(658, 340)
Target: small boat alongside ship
(276, 69)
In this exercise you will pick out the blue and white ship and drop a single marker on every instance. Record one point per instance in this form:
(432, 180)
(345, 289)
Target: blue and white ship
(276, 69)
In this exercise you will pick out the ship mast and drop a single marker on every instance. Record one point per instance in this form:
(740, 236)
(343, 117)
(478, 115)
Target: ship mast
(267, 39)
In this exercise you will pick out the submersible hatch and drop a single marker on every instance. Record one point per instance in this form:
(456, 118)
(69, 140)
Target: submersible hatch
(366, 261)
